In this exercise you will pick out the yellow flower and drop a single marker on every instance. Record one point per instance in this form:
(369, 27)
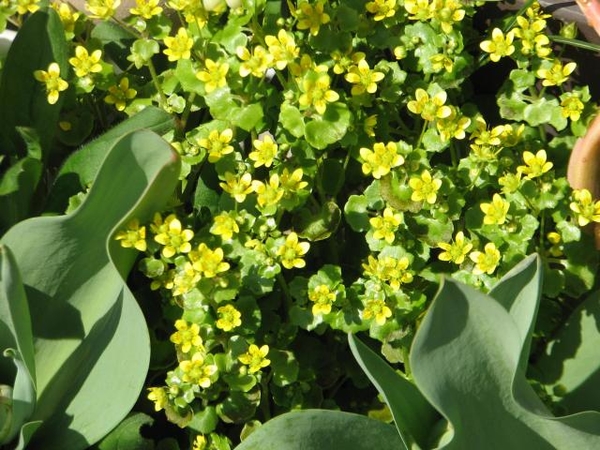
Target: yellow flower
(173, 237)
(441, 61)
(377, 309)
(217, 144)
(500, 45)
(255, 63)
(229, 318)
(268, 194)
(84, 63)
(323, 299)
(556, 74)
(292, 251)
(255, 358)
(265, 151)
(531, 34)
(385, 226)
(146, 8)
(535, 165)
(25, 6)
(196, 371)
(584, 207)
(179, 46)
(311, 17)
(68, 17)
(363, 78)
(381, 8)
(200, 443)
(420, 10)
(292, 182)
(571, 106)
(119, 94)
(209, 263)
(486, 261)
(214, 75)
(369, 125)
(159, 396)
(185, 279)
(495, 212)
(187, 336)
(282, 48)
(424, 188)
(237, 186)
(447, 13)
(134, 236)
(225, 226)
(315, 90)
(555, 239)
(389, 270)
(102, 9)
(457, 250)
(381, 160)
(453, 126)
(429, 108)
(52, 80)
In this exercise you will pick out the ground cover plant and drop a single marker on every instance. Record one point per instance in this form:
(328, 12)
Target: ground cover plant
(329, 163)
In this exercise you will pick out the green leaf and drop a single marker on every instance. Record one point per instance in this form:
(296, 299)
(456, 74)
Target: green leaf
(285, 367)
(39, 42)
(316, 227)
(467, 360)
(91, 340)
(128, 436)
(292, 120)
(332, 128)
(187, 77)
(17, 187)
(322, 430)
(205, 421)
(356, 213)
(413, 415)
(81, 167)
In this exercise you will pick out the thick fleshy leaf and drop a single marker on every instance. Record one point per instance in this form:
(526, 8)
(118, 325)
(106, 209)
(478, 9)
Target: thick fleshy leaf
(571, 362)
(91, 341)
(413, 415)
(17, 365)
(466, 360)
(322, 430)
(128, 435)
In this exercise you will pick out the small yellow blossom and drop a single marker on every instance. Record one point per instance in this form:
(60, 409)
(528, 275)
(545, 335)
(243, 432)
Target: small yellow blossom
(209, 263)
(134, 236)
(531, 36)
(421, 10)
(84, 63)
(389, 270)
(315, 90)
(237, 186)
(229, 318)
(255, 63)
(53, 82)
(456, 251)
(27, 6)
(311, 17)
(323, 299)
(196, 371)
(378, 310)
(187, 336)
(571, 106)
(429, 108)
(535, 165)
(179, 46)
(555, 239)
(214, 75)
(292, 251)
(118, 95)
(556, 74)
(441, 61)
(381, 160)
(159, 396)
(102, 9)
(185, 279)
(453, 126)
(200, 443)
(385, 226)
(173, 237)
(447, 13)
(495, 212)
(268, 194)
(225, 225)
(584, 207)
(510, 182)
(369, 125)
(486, 261)
(265, 151)
(363, 78)
(282, 48)
(382, 9)
(146, 9)
(500, 45)
(68, 17)
(217, 144)
(255, 358)
(425, 188)
(292, 182)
